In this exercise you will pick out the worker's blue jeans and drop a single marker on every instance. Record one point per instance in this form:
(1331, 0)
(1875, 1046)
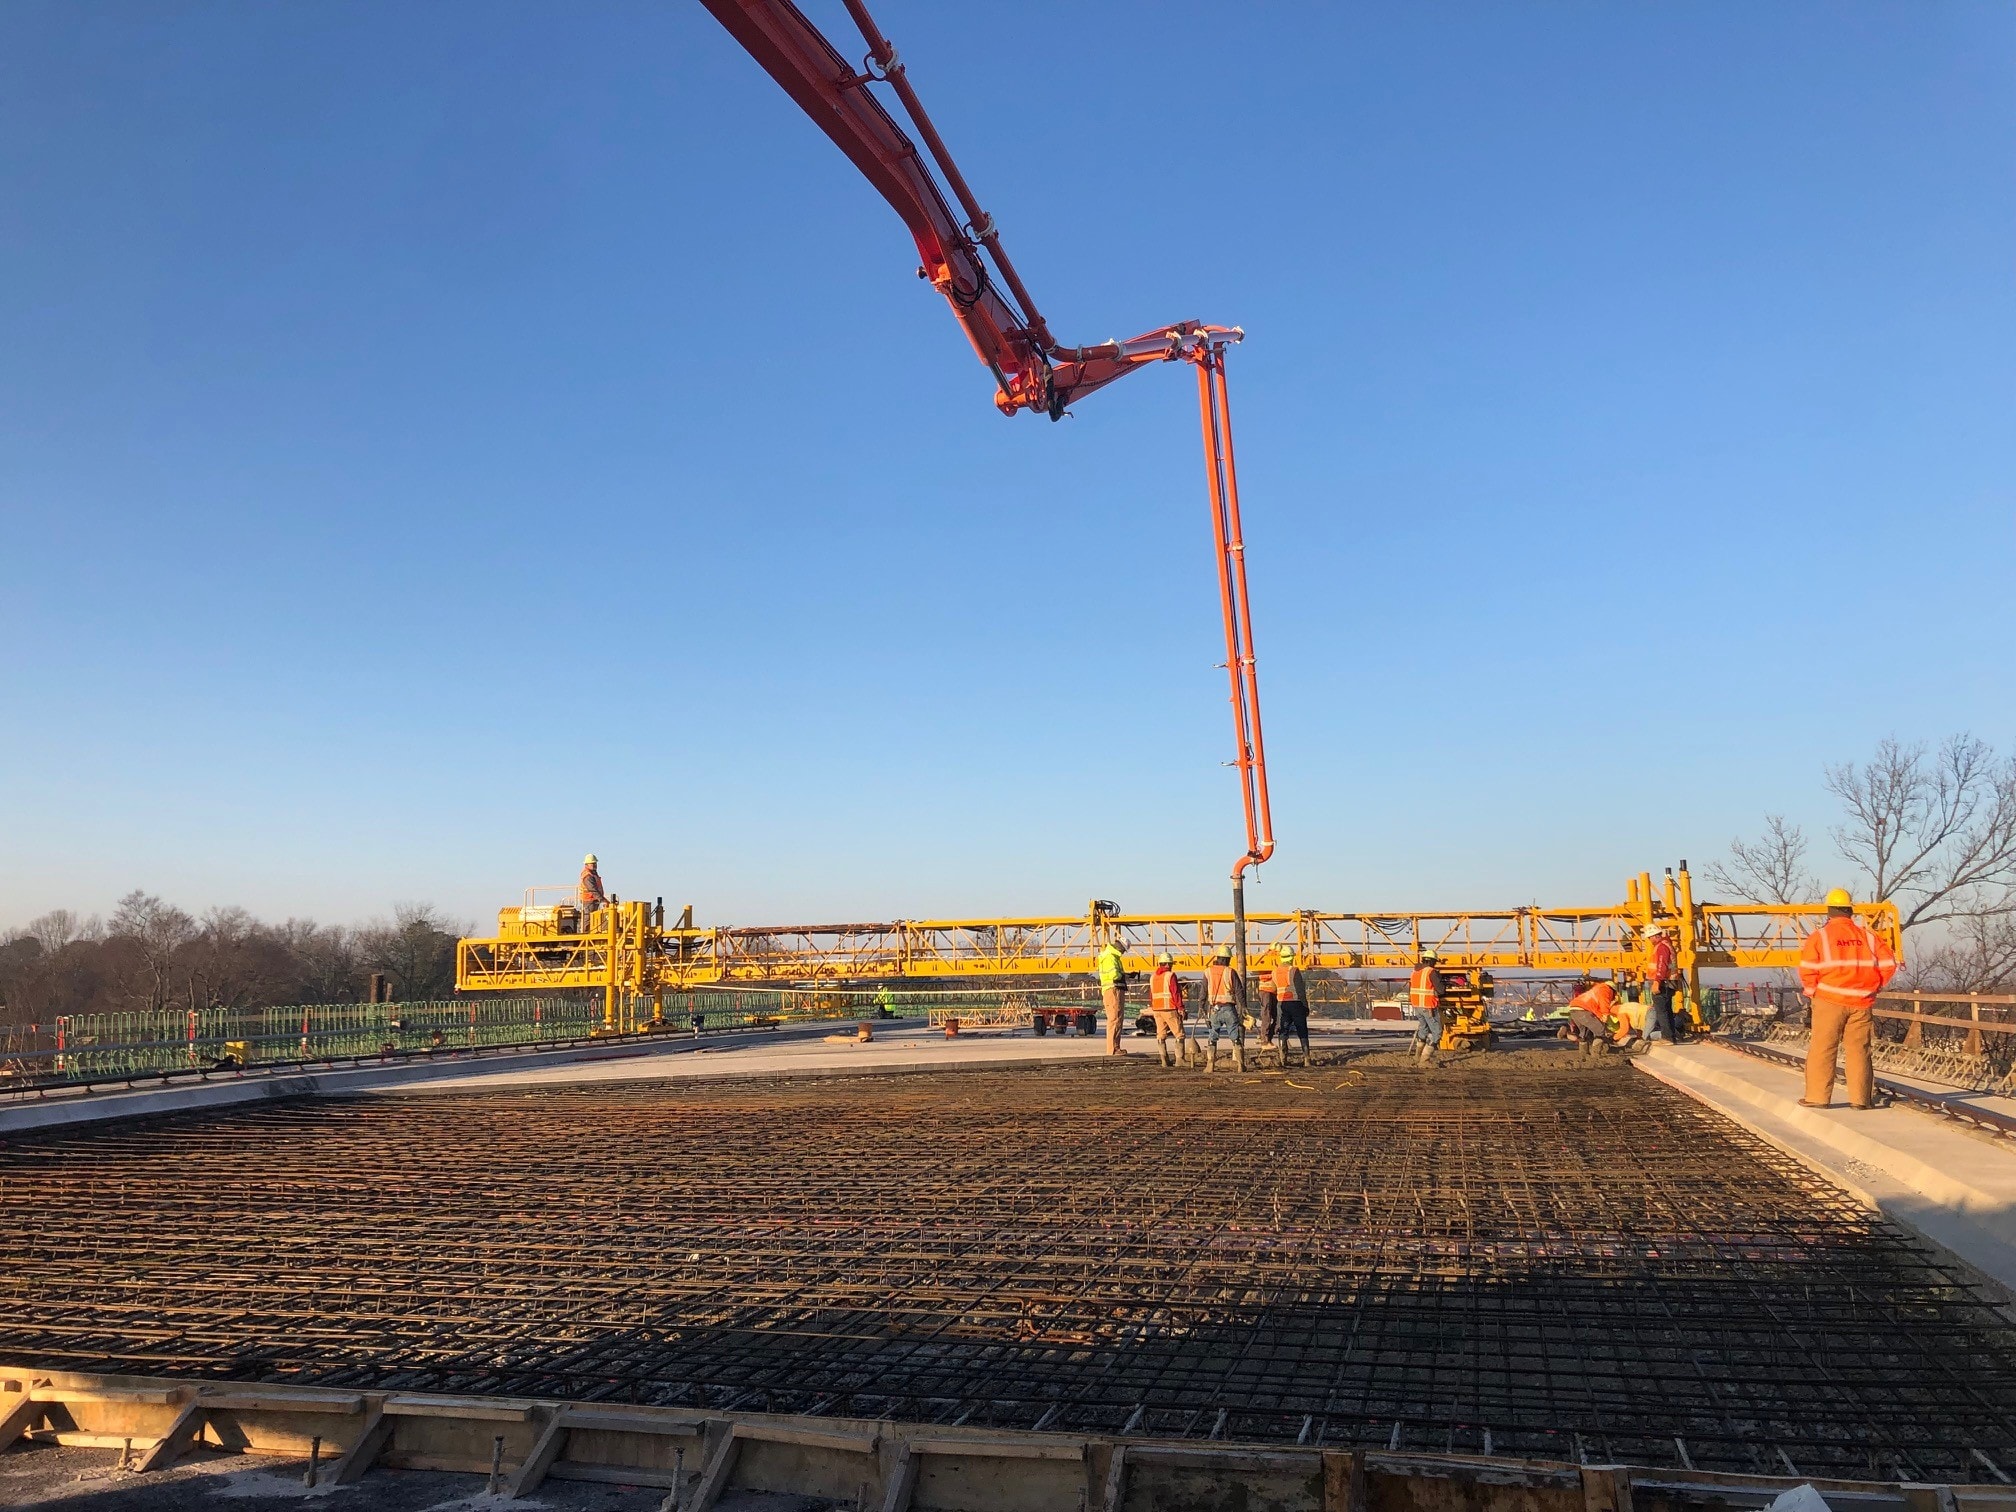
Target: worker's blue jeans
(1227, 1023)
(1427, 1026)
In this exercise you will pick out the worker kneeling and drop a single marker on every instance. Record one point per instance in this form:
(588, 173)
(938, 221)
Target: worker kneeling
(1165, 1002)
(1225, 993)
(1595, 1022)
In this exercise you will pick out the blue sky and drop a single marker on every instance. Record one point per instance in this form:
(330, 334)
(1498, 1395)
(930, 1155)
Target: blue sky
(439, 440)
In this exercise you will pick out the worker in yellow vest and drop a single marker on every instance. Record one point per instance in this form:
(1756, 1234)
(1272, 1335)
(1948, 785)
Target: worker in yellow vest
(1165, 1001)
(1225, 999)
(1113, 993)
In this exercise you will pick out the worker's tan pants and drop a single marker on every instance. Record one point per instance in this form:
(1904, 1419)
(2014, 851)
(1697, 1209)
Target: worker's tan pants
(1168, 1026)
(1115, 1001)
(1852, 1031)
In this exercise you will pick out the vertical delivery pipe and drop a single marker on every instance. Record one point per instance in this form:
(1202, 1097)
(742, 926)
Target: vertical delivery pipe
(1222, 477)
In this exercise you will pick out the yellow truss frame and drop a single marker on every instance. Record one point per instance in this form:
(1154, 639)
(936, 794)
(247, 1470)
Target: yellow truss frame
(628, 955)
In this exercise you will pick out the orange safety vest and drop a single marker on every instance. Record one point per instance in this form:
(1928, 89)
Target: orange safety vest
(1600, 1000)
(591, 893)
(1165, 991)
(1218, 982)
(1846, 963)
(1284, 985)
(1424, 989)
(1661, 967)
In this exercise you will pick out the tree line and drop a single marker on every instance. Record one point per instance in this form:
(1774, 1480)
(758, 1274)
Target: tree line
(152, 955)
(1931, 829)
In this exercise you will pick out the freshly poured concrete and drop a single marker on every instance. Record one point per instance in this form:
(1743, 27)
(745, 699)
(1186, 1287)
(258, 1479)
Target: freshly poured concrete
(1953, 1184)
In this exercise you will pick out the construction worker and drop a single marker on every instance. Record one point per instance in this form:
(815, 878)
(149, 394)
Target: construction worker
(1424, 1000)
(885, 1001)
(1113, 993)
(1843, 965)
(1660, 979)
(1225, 994)
(1291, 996)
(1165, 1001)
(1595, 1021)
(590, 894)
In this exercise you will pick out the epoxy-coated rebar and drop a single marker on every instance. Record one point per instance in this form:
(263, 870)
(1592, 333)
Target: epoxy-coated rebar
(1520, 1256)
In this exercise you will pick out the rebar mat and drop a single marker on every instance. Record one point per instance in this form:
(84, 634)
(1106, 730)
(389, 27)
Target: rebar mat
(1521, 1255)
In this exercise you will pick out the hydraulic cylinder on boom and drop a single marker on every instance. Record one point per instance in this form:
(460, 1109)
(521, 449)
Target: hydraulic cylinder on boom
(960, 255)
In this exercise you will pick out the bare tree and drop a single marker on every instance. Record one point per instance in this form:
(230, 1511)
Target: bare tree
(1769, 869)
(147, 933)
(1979, 955)
(1935, 833)
(417, 949)
(58, 927)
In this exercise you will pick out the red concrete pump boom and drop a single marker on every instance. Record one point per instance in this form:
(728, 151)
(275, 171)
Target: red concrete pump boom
(962, 258)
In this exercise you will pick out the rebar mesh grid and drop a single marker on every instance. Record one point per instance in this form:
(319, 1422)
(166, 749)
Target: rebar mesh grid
(1520, 1255)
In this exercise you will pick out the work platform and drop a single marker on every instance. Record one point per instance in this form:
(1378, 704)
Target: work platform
(1523, 1257)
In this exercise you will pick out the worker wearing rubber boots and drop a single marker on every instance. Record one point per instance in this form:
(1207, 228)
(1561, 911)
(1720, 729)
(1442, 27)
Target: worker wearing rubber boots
(1225, 998)
(590, 894)
(1843, 965)
(1113, 993)
(1424, 1001)
(1165, 1001)
(1291, 996)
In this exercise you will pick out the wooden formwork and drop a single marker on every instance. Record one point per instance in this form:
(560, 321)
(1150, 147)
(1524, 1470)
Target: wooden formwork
(521, 1442)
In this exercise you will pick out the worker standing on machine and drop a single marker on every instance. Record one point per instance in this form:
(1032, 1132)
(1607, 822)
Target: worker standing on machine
(1113, 993)
(1165, 1001)
(1659, 982)
(590, 894)
(1291, 995)
(1225, 998)
(1843, 965)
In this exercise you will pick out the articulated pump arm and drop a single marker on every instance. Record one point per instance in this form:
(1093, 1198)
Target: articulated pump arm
(960, 252)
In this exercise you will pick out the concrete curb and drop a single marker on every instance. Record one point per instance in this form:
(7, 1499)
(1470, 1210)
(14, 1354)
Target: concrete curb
(107, 1107)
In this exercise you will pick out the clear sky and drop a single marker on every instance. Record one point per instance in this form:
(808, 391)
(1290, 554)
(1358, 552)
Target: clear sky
(437, 440)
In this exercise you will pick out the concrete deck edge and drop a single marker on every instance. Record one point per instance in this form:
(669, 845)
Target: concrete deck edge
(1982, 1238)
(80, 1109)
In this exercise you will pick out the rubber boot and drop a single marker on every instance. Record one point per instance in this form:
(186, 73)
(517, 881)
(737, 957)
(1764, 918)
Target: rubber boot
(1211, 1057)
(1162, 1051)
(1239, 1056)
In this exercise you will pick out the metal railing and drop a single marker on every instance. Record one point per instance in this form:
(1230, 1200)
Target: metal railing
(111, 1046)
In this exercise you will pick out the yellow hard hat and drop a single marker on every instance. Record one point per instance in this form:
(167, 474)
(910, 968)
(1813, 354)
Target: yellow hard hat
(589, 859)
(1286, 952)
(1838, 898)
(1165, 959)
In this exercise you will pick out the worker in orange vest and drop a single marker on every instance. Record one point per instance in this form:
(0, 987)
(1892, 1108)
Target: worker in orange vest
(1165, 1002)
(1843, 965)
(1659, 983)
(1595, 1020)
(1424, 1000)
(1225, 999)
(1291, 1001)
(590, 894)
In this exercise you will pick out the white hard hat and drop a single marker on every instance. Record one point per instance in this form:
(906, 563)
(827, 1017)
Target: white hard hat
(589, 859)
